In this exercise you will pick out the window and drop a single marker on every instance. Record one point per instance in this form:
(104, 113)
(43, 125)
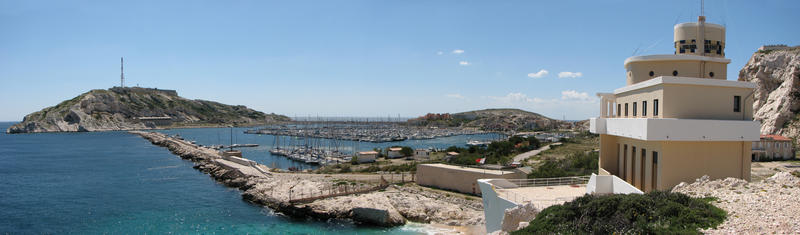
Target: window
(634, 109)
(652, 73)
(633, 164)
(655, 170)
(736, 103)
(711, 74)
(644, 108)
(619, 110)
(675, 73)
(655, 107)
(642, 171)
(626, 109)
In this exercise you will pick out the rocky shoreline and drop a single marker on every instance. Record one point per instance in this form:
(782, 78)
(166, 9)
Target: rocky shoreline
(392, 206)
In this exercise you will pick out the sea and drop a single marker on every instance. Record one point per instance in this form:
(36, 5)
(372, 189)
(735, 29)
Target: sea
(118, 183)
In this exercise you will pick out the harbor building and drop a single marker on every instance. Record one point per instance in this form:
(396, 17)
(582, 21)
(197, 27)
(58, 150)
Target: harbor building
(421, 154)
(394, 152)
(678, 117)
(772, 147)
(366, 156)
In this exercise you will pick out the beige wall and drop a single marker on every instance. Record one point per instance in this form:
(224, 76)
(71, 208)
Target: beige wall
(678, 161)
(639, 71)
(463, 181)
(686, 161)
(706, 102)
(646, 94)
(688, 101)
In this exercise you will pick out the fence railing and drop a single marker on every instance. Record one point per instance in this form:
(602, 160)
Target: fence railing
(518, 198)
(541, 182)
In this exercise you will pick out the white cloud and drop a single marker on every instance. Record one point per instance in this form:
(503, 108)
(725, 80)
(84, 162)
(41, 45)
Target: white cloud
(512, 97)
(539, 74)
(575, 95)
(463, 63)
(455, 96)
(458, 51)
(570, 74)
(439, 53)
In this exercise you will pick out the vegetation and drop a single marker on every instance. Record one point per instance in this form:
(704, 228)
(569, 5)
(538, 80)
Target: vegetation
(498, 152)
(652, 213)
(412, 167)
(575, 164)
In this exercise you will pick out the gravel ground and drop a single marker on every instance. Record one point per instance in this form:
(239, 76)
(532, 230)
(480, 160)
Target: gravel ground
(769, 206)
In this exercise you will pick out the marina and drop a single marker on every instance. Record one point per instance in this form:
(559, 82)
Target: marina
(364, 132)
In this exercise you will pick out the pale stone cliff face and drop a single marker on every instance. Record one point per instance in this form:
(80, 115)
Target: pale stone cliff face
(118, 108)
(777, 95)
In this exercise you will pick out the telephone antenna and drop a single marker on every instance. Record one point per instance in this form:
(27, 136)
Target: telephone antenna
(702, 7)
(121, 72)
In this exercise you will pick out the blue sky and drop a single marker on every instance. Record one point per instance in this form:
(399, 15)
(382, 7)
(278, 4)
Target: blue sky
(358, 58)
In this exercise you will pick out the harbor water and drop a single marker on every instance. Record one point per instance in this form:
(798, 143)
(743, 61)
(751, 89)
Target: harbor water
(261, 154)
(119, 183)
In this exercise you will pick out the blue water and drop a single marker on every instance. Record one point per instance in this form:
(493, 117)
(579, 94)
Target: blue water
(260, 154)
(115, 182)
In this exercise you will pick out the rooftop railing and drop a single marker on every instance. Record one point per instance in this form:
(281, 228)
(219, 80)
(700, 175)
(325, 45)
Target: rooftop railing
(540, 204)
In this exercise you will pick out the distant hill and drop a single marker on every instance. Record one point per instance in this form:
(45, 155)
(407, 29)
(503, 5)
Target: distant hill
(492, 120)
(137, 108)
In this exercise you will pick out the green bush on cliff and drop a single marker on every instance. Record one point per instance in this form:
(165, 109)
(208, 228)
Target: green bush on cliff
(652, 213)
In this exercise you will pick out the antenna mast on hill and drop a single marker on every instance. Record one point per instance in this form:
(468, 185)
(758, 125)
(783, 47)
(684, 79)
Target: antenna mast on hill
(121, 73)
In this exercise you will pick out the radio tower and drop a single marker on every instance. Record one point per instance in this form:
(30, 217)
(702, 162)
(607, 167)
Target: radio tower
(121, 73)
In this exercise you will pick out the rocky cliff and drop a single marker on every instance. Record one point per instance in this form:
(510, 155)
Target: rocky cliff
(493, 120)
(136, 108)
(776, 103)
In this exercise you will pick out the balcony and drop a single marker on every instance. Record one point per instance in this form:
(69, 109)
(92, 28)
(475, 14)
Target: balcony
(671, 129)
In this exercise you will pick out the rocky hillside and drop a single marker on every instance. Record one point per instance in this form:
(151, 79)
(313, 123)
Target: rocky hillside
(123, 109)
(777, 96)
(493, 120)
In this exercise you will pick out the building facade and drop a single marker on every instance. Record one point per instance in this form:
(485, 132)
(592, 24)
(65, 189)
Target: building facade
(773, 147)
(678, 117)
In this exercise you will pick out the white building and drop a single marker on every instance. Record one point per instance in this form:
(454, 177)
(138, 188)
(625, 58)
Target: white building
(367, 156)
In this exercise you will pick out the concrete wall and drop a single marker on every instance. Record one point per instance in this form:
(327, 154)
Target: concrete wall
(706, 102)
(686, 161)
(640, 71)
(687, 102)
(494, 206)
(464, 181)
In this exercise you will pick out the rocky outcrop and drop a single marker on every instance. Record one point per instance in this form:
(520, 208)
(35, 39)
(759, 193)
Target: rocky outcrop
(493, 120)
(776, 74)
(390, 207)
(124, 108)
(517, 218)
(766, 207)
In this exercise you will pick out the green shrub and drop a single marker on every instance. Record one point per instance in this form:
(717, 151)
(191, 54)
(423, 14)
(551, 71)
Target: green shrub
(575, 164)
(652, 213)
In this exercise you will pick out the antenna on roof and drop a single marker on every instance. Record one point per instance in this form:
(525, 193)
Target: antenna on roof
(702, 7)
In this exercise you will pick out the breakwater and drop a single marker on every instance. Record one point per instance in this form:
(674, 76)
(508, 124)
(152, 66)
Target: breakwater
(391, 206)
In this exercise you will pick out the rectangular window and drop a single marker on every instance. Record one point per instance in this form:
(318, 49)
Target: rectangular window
(655, 107)
(626, 109)
(737, 103)
(619, 110)
(642, 169)
(655, 170)
(634, 109)
(624, 161)
(644, 108)
(633, 164)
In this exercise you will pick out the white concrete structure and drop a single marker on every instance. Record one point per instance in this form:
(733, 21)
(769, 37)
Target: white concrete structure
(501, 194)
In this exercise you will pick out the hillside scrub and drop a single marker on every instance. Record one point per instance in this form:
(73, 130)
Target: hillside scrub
(498, 152)
(652, 213)
(575, 164)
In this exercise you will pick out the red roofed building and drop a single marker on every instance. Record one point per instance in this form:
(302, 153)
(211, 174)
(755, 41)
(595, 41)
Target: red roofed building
(773, 147)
